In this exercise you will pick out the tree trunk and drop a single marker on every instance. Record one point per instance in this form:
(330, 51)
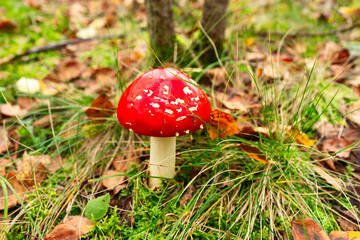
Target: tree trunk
(161, 27)
(214, 23)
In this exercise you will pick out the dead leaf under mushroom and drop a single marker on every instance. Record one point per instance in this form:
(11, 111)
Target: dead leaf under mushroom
(222, 125)
(307, 229)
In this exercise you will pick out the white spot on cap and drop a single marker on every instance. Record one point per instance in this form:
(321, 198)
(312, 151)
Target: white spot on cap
(166, 91)
(187, 131)
(130, 130)
(131, 104)
(155, 105)
(161, 132)
(193, 108)
(179, 109)
(146, 90)
(138, 97)
(201, 126)
(162, 77)
(195, 99)
(177, 134)
(174, 102)
(180, 118)
(187, 90)
(128, 123)
(169, 111)
(180, 100)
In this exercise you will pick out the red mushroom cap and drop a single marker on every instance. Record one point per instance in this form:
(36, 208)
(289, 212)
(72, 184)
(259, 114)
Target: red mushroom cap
(163, 102)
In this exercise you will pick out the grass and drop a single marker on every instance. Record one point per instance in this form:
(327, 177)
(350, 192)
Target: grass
(219, 192)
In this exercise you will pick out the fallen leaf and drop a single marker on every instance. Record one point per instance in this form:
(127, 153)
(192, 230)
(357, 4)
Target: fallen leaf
(30, 170)
(18, 187)
(98, 207)
(188, 195)
(64, 232)
(233, 102)
(10, 110)
(27, 103)
(254, 152)
(72, 229)
(336, 145)
(340, 56)
(222, 125)
(7, 25)
(101, 109)
(354, 113)
(43, 122)
(214, 77)
(5, 144)
(115, 183)
(105, 76)
(81, 223)
(4, 163)
(68, 69)
(346, 224)
(299, 137)
(307, 229)
(122, 162)
(338, 235)
(333, 181)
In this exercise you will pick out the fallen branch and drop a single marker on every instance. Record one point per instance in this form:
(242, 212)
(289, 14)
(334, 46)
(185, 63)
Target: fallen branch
(309, 34)
(55, 46)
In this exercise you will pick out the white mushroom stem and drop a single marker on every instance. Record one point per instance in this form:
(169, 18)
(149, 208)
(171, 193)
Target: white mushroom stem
(162, 159)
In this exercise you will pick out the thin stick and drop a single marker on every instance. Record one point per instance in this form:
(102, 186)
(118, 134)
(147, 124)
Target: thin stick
(55, 46)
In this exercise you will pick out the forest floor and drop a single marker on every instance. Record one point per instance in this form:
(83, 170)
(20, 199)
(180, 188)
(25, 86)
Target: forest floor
(278, 160)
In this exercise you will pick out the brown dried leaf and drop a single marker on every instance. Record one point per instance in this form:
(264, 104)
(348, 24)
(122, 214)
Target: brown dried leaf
(307, 229)
(132, 155)
(299, 137)
(31, 170)
(333, 181)
(7, 25)
(43, 122)
(188, 195)
(5, 144)
(68, 69)
(100, 109)
(18, 187)
(338, 235)
(254, 152)
(72, 229)
(336, 145)
(105, 76)
(81, 223)
(233, 101)
(27, 103)
(354, 113)
(346, 224)
(223, 124)
(215, 76)
(12, 110)
(4, 163)
(64, 232)
(116, 183)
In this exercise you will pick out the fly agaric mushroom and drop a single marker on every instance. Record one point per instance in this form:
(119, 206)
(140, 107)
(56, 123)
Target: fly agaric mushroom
(163, 103)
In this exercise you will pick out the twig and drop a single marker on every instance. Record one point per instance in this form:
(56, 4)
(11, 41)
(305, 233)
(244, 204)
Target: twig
(309, 34)
(346, 215)
(55, 46)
